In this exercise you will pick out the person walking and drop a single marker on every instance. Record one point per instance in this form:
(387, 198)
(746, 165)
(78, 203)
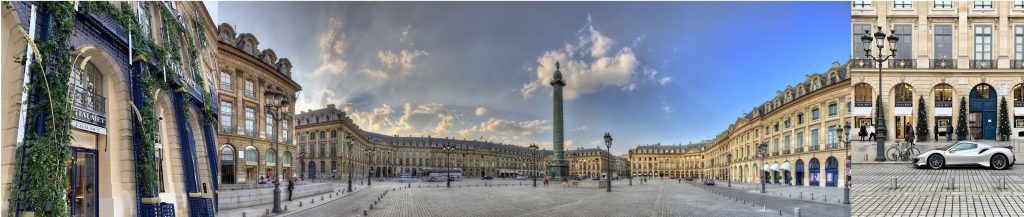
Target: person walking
(863, 132)
(871, 132)
(291, 187)
(949, 132)
(908, 133)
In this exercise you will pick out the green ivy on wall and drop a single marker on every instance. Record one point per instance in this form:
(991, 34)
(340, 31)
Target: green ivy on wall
(45, 183)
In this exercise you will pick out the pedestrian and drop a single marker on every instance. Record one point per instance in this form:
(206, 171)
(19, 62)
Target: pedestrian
(871, 132)
(936, 132)
(291, 187)
(863, 132)
(908, 133)
(949, 132)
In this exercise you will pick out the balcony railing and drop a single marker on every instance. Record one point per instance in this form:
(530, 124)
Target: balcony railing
(862, 63)
(1017, 64)
(786, 152)
(983, 64)
(902, 63)
(944, 104)
(88, 99)
(942, 63)
(815, 147)
(800, 149)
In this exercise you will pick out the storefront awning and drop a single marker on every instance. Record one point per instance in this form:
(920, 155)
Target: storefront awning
(1018, 111)
(861, 111)
(903, 111)
(944, 112)
(775, 167)
(785, 166)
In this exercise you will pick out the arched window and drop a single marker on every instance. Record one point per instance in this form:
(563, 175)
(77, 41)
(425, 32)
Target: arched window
(903, 93)
(862, 95)
(87, 89)
(251, 156)
(286, 159)
(1018, 94)
(943, 95)
(271, 158)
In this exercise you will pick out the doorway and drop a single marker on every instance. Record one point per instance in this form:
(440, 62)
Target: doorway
(83, 196)
(982, 117)
(901, 126)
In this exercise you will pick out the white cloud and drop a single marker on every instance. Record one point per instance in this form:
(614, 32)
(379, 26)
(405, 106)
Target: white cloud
(481, 111)
(333, 43)
(506, 131)
(394, 64)
(405, 34)
(664, 80)
(582, 74)
(315, 100)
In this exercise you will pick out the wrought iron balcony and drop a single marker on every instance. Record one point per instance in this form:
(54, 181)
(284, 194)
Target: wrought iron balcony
(983, 64)
(88, 99)
(902, 63)
(786, 152)
(862, 63)
(800, 149)
(1017, 64)
(942, 63)
(815, 147)
(944, 104)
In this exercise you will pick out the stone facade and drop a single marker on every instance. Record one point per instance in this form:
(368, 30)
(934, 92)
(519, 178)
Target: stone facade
(947, 51)
(101, 52)
(245, 134)
(798, 127)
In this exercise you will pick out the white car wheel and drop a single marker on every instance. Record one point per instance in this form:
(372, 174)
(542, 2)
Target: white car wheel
(999, 162)
(936, 161)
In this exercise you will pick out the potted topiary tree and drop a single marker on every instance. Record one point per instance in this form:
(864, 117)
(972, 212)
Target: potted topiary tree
(922, 121)
(961, 121)
(1004, 121)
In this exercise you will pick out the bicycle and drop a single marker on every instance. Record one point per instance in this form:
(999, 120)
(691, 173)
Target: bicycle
(902, 151)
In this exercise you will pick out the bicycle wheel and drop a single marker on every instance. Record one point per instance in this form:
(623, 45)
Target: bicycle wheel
(913, 152)
(893, 153)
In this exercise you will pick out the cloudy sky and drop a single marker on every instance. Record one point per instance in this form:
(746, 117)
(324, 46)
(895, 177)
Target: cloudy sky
(646, 72)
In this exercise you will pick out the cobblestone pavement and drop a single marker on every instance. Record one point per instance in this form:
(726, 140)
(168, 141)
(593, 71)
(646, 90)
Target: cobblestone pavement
(807, 193)
(780, 202)
(864, 151)
(289, 207)
(510, 198)
(903, 190)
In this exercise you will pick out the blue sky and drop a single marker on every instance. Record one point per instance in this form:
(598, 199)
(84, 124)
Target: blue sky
(648, 72)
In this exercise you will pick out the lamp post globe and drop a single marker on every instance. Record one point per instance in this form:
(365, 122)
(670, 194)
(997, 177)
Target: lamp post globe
(608, 143)
(846, 187)
(879, 38)
(274, 101)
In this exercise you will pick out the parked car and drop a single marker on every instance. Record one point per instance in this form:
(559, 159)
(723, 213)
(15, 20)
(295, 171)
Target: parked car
(967, 153)
(709, 182)
(487, 177)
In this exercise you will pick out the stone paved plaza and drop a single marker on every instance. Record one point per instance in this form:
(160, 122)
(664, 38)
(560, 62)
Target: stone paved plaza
(903, 190)
(510, 198)
(808, 193)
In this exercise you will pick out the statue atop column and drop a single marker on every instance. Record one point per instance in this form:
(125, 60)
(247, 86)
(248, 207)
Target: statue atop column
(557, 168)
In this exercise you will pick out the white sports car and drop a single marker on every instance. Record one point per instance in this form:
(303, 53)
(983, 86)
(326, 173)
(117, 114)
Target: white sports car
(966, 153)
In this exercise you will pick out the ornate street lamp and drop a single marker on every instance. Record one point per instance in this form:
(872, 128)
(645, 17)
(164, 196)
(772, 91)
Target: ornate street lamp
(302, 157)
(533, 172)
(762, 151)
(846, 188)
(369, 159)
(879, 38)
(448, 148)
(350, 170)
(275, 101)
(608, 142)
(728, 165)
